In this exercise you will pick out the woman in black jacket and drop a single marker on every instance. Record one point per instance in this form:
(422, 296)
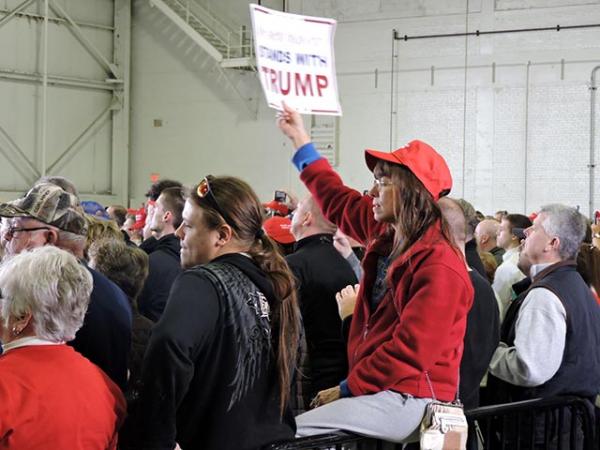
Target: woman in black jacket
(218, 367)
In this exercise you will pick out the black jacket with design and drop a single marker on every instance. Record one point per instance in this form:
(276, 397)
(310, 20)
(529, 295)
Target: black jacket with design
(209, 379)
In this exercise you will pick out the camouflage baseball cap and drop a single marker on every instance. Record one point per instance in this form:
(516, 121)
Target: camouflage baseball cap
(50, 204)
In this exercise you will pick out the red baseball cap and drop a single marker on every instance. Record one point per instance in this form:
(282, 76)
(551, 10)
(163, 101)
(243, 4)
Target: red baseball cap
(278, 207)
(422, 160)
(279, 229)
(140, 218)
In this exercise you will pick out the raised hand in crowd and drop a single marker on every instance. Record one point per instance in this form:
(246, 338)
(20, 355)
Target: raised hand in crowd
(291, 124)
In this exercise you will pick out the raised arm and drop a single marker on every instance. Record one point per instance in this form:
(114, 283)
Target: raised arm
(347, 208)
(291, 124)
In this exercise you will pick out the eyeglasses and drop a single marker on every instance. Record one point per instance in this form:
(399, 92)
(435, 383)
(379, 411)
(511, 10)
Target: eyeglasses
(205, 192)
(381, 183)
(10, 231)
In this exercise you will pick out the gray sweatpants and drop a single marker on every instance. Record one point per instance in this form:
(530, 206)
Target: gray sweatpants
(386, 415)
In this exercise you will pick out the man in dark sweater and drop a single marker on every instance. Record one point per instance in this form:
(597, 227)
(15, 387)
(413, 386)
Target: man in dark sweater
(321, 272)
(483, 321)
(164, 256)
(149, 240)
(471, 222)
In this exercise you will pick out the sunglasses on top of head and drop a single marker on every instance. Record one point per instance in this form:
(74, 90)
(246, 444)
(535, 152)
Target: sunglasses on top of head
(205, 192)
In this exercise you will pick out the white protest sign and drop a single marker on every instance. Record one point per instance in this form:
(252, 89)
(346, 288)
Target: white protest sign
(295, 61)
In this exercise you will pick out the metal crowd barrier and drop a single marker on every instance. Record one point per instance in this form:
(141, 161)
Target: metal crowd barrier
(561, 423)
(336, 441)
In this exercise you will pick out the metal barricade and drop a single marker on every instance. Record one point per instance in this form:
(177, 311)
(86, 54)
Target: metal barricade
(336, 441)
(561, 423)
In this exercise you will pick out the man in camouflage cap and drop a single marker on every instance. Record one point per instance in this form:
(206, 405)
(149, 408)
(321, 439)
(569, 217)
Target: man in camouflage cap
(39, 217)
(48, 215)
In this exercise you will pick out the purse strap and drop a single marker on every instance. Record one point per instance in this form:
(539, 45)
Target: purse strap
(456, 398)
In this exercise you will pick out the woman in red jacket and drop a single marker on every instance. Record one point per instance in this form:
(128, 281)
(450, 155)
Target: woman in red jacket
(406, 338)
(51, 397)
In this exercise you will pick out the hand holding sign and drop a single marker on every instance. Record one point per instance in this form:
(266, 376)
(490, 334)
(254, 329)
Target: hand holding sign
(290, 122)
(294, 57)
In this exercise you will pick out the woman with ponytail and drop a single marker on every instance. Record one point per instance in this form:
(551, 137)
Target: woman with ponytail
(219, 364)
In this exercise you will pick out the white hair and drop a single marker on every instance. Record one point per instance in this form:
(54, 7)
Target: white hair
(72, 242)
(66, 237)
(52, 285)
(566, 223)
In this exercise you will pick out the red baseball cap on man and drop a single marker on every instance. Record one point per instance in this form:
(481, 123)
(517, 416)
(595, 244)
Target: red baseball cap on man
(422, 160)
(140, 218)
(278, 207)
(279, 229)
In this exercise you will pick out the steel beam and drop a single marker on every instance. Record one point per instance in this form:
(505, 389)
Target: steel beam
(20, 165)
(76, 30)
(30, 15)
(120, 164)
(89, 132)
(15, 11)
(117, 112)
(44, 123)
(56, 80)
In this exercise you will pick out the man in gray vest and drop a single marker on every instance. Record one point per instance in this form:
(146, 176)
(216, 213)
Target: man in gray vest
(550, 338)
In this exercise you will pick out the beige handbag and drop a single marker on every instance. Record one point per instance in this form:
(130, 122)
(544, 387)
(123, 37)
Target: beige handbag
(444, 425)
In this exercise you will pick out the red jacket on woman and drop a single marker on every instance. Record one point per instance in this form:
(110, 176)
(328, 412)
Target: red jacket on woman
(419, 325)
(51, 397)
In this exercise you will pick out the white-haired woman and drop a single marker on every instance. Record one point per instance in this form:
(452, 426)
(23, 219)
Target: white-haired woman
(50, 395)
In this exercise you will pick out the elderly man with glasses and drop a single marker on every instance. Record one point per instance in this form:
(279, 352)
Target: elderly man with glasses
(48, 215)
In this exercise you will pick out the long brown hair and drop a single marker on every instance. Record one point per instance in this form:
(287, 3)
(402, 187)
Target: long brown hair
(245, 215)
(415, 210)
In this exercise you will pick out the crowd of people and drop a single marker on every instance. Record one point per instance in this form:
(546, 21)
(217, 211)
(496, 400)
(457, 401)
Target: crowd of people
(208, 319)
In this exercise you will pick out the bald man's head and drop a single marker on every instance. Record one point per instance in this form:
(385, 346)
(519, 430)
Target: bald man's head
(485, 234)
(455, 218)
(308, 220)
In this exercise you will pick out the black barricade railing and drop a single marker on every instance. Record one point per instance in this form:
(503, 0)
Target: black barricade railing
(561, 423)
(553, 423)
(336, 441)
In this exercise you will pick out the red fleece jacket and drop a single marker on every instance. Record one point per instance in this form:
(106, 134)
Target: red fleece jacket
(420, 323)
(51, 397)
